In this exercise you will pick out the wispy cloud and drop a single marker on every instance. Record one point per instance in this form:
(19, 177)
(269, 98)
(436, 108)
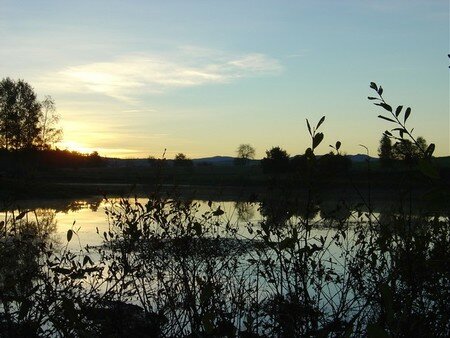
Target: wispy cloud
(131, 75)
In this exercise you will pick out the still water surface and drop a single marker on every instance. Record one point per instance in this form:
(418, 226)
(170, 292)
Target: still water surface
(89, 220)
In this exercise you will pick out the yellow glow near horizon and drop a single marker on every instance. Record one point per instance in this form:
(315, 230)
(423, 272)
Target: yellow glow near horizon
(75, 146)
(105, 152)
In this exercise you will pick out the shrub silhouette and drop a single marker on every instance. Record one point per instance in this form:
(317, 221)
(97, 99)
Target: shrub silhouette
(276, 161)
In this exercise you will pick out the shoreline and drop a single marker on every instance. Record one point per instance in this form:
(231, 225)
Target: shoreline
(53, 193)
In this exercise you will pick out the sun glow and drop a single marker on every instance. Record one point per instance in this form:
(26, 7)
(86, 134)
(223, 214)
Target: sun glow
(108, 152)
(75, 146)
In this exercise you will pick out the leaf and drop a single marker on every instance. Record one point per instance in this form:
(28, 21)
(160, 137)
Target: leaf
(430, 150)
(401, 131)
(86, 260)
(407, 113)
(373, 86)
(385, 106)
(317, 139)
(21, 215)
(69, 235)
(338, 145)
(380, 91)
(320, 122)
(398, 111)
(372, 98)
(218, 212)
(386, 118)
(63, 271)
(388, 133)
(309, 127)
(309, 153)
(286, 243)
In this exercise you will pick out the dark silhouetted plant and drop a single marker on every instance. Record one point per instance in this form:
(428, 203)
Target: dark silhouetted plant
(245, 152)
(276, 161)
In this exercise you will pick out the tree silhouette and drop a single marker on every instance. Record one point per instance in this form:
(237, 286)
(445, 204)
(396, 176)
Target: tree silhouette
(50, 133)
(276, 161)
(404, 150)
(24, 121)
(245, 152)
(20, 113)
(385, 150)
(181, 160)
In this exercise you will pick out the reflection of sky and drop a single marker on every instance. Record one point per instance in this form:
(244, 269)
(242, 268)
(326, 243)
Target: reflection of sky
(200, 77)
(87, 220)
(89, 215)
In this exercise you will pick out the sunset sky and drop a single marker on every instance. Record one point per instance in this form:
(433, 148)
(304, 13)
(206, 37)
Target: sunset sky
(131, 78)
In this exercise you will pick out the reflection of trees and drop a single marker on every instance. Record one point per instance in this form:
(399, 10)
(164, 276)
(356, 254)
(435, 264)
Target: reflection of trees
(334, 212)
(40, 223)
(92, 204)
(279, 211)
(22, 243)
(19, 266)
(58, 205)
(245, 211)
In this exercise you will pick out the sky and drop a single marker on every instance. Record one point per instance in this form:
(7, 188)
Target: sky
(132, 78)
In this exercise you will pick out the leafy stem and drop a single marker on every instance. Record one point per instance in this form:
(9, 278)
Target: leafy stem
(402, 130)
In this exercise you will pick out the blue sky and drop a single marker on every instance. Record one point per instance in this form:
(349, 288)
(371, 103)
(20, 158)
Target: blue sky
(131, 78)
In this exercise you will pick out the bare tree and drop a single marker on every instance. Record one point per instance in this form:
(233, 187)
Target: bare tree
(50, 133)
(245, 152)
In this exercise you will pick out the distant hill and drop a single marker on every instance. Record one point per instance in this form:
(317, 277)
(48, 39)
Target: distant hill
(361, 158)
(143, 162)
(229, 161)
(215, 160)
(220, 161)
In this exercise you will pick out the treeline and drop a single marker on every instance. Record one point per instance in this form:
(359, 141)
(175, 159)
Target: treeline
(278, 161)
(26, 122)
(17, 161)
(402, 150)
(29, 131)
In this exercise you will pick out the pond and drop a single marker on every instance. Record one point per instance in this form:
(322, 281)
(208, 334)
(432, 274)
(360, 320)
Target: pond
(87, 216)
(269, 268)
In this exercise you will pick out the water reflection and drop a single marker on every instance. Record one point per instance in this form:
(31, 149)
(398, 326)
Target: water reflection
(282, 279)
(23, 237)
(57, 216)
(245, 211)
(279, 211)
